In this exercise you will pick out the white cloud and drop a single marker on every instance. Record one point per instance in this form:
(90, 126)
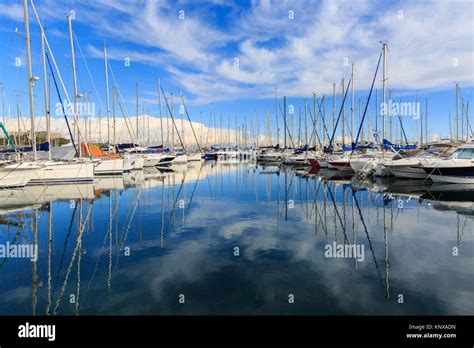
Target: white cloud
(300, 55)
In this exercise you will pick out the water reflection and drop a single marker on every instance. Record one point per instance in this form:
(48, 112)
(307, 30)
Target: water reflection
(237, 238)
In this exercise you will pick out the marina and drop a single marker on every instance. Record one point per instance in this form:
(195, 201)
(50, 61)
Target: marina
(165, 179)
(135, 244)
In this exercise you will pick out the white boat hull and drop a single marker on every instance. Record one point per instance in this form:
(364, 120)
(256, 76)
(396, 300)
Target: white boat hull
(132, 162)
(408, 172)
(108, 166)
(194, 157)
(382, 171)
(452, 179)
(10, 178)
(63, 173)
(181, 159)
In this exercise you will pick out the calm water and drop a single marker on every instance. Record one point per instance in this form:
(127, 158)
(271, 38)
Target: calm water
(238, 239)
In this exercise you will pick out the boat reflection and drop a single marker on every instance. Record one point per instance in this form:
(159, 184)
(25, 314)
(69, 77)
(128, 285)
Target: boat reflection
(127, 239)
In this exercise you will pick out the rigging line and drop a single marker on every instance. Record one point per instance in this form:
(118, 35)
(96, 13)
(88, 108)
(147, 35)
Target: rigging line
(73, 257)
(126, 230)
(368, 237)
(314, 203)
(286, 125)
(62, 105)
(71, 222)
(315, 130)
(320, 104)
(172, 118)
(401, 124)
(88, 71)
(339, 116)
(338, 215)
(126, 115)
(189, 119)
(171, 214)
(192, 194)
(366, 106)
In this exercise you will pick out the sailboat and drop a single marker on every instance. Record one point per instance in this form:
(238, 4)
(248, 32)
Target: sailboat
(46, 171)
(11, 176)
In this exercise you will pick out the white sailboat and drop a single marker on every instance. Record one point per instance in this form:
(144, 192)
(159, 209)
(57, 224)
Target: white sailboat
(47, 171)
(11, 176)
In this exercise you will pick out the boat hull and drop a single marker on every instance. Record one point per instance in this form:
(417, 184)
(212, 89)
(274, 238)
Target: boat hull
(408, 172)
(341, 166)
(456, 175)
(132, 162)
(180, 159)
(109, 166)
(15, 179)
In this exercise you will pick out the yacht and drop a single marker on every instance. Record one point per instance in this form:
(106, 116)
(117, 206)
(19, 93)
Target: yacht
(270, 157)
(409, 167)
(43, 172)
(297, 160)
(14, 175)
(180, 158)
(457, 168)
(342, 164)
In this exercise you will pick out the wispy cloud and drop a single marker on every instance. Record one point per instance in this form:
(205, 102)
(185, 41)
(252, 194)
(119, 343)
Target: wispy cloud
(221, 51)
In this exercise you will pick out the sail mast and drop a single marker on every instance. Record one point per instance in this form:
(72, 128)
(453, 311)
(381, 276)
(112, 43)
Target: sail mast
(352, 105)
(46, 95)
(343, 118)
(161, 112)
(137, 106)
(276, 117)
(383, 88)
(31, 79)
(74, 79)
(107, 111)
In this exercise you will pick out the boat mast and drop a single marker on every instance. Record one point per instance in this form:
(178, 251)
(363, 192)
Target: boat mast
(456, 125)
(343, 116)
(333, 105)
(136, 85)
(172, 117)
(74, 80)
(31, 79)
(284, 118)
(107, 111)
(426, 120)
(114, 95)
(305, 122)
(46, 95)
(384, 47)
(161, 113)
(236, 129)
(421, 127)
(352, 106)
(390, 115)
(181, 112)
(314, 121)
(3, 103)
(276, 117)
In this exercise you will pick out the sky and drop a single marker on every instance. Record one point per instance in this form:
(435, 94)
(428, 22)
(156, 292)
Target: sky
(229, 56)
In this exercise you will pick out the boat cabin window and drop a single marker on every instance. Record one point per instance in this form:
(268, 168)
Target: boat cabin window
(464, 154)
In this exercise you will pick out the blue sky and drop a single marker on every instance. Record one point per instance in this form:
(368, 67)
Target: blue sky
(228, 55)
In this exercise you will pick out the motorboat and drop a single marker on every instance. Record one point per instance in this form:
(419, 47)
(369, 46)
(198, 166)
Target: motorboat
(409, 167)
(457, 168)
